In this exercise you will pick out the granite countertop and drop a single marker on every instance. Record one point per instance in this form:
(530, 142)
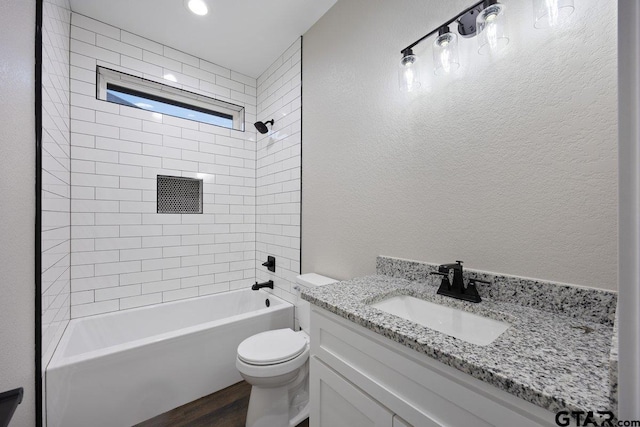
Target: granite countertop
(552, 360)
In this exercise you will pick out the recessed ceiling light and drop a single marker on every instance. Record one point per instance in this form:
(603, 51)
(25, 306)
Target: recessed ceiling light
(199, 7)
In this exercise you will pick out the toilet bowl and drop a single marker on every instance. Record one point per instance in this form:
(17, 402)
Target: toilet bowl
(276, 364)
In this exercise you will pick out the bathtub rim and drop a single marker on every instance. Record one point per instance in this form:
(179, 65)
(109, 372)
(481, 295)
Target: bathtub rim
(58, 361)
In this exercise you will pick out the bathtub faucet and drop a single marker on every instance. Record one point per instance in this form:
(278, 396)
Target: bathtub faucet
(267, 284)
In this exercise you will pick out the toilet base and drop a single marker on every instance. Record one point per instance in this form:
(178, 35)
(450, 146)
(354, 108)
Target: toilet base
(283, 406)
(268, 407)
(302, 415)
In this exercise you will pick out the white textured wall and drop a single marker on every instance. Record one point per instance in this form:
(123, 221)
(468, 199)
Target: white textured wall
(124, 254)
(278, 172)
(56, 175)
(510, 166)
(17, 211)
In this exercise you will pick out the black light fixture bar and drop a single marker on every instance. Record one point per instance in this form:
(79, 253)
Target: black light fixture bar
(447, 23)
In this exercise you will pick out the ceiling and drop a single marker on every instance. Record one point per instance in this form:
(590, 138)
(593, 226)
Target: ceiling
(243, 35)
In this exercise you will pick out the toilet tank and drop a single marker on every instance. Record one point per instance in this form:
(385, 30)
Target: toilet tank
(303, 308)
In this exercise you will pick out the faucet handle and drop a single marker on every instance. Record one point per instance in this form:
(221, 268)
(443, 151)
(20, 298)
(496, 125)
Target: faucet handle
(459, 262)
(471, 291)
(474, 281)
(445, 285)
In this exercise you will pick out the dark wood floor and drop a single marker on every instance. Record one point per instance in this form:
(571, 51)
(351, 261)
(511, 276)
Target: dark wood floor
(225, 408)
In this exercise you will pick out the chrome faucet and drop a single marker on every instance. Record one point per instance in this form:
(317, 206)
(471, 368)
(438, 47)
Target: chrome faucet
(457, 288)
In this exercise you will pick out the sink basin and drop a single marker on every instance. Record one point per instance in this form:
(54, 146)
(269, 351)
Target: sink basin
(469, 327)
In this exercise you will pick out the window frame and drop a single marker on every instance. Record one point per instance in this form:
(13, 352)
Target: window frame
(160, 92)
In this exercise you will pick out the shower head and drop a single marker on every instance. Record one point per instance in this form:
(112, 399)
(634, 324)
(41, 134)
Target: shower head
(262, 127)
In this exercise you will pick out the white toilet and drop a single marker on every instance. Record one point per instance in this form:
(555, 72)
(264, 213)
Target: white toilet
(276, 364)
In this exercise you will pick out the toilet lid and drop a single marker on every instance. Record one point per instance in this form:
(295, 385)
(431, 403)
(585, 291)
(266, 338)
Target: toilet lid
(271, 347)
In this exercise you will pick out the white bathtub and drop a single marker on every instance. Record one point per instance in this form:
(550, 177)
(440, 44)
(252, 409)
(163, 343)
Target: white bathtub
(118, 369)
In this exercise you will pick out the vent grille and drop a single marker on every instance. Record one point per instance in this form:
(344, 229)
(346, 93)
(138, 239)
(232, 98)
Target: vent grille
(177, 195)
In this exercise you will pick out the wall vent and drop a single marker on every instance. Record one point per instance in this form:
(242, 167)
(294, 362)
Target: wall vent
(177, 195)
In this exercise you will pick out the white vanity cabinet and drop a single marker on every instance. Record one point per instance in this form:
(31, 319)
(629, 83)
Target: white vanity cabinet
(342, 403)
(359, 378)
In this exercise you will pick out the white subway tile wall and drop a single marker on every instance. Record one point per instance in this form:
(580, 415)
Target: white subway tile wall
(278, 174)
(56, 176)
(124, 254)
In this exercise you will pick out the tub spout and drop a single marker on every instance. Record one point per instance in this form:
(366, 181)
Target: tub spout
(267, 284)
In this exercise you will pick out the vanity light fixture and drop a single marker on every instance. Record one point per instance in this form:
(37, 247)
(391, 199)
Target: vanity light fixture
(198, 7)
(551, 13)
(485, 19)
(485, 16)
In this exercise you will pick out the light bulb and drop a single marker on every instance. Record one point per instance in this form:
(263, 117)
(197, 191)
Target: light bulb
(408, 73)
(491, 29)
(492, 32)
(445, 53)
(551, 13)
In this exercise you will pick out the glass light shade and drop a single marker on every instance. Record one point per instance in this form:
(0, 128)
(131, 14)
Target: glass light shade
(491, 27)
(409, 72)
(551, 13)
(445, 54)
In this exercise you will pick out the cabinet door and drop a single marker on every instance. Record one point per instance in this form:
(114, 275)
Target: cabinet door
(337, 402)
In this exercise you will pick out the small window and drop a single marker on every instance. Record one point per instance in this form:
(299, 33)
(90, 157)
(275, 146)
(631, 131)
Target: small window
(136, 92)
